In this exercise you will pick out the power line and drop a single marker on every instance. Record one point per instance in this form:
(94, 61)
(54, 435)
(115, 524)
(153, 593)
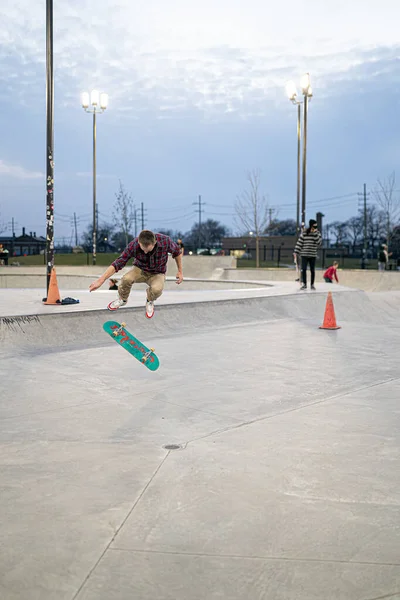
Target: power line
(222, 214)
(142, 211)
(105, 216)
(172, 209)
(174, 219)
(323, 202)
(365, 215)
(76, 230)
(293, 204)
(337, 197)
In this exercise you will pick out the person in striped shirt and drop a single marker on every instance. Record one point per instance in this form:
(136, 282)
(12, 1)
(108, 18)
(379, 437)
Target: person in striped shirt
(307, 246)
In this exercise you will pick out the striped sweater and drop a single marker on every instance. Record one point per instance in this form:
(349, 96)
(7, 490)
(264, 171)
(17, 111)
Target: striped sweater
(307, 245)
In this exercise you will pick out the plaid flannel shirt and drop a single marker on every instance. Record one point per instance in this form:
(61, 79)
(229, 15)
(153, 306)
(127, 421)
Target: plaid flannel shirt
(152, 262)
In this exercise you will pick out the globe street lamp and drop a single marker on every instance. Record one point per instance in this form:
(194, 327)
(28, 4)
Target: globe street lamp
(94, 103)
(292, 95)
(307, 93)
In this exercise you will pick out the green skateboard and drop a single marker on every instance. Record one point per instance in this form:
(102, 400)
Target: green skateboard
(131, 344)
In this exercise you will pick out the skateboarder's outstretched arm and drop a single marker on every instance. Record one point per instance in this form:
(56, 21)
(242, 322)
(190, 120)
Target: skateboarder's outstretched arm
(117, 265)
(179, 275)
(99, 282)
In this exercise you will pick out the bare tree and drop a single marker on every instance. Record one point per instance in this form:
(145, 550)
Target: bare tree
(354, 231)
(124, 212)
(252, 210)
(388, 201)
(375, 226)
(284, 227)
(212, 233)
(3, 226)
(339, 231)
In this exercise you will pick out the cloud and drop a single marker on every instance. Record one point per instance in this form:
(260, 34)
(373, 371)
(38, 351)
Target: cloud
(212, 58)
(18, 172)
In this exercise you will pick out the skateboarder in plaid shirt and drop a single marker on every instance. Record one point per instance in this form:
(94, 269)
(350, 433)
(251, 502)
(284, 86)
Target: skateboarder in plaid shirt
(150, 253)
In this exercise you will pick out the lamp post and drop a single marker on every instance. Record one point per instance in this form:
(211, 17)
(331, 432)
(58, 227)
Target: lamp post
(307, 93)
(94, 103)
(49, 144)
(292, 95)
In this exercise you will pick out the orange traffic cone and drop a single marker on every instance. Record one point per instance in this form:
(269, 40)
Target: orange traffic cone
(329, 317)
(53, 293)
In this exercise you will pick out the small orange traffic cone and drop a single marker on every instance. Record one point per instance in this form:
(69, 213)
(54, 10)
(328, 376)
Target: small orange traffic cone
(53, 296)
(329, 317)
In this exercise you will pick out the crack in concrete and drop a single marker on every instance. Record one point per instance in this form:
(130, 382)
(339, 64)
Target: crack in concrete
(118, 529)
(395, 595)
(290, 410)
(256, 557)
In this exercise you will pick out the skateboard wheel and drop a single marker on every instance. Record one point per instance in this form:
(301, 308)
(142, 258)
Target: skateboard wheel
(152, 349)
(123, 324)
(115, 333)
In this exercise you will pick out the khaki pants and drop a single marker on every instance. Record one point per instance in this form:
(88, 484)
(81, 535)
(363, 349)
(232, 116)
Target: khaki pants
(155, 281)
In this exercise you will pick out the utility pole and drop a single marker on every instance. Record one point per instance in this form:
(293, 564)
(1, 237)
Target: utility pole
(76, 230)
(12, 225)
(365, 220)
(199, 220)
(142, 210)
(135, 220)
(270, 210)
(365, 245)
(200, 210)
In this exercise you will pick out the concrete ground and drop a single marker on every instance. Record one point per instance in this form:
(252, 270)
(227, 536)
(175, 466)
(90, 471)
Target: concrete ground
(285, 482)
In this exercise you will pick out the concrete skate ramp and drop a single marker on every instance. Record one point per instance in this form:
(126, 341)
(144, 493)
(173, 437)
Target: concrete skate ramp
(75, 329)
(366, 280)
(260, 461)
(80, 277)
(83, 281)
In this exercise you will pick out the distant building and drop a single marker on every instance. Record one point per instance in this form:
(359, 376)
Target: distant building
(24, 245)
(272, 247)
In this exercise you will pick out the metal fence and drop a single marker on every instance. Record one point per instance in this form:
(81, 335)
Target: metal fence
(276, 256)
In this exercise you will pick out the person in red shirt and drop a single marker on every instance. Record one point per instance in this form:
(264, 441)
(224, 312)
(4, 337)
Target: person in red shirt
(150, 253)
(331, 273)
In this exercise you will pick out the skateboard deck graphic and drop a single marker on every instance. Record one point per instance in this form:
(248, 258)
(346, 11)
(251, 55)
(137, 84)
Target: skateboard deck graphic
(125, 339)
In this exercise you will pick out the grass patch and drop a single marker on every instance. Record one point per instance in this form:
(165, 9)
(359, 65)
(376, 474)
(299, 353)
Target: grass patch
(105, 259)
(70, 260)
(248, 263)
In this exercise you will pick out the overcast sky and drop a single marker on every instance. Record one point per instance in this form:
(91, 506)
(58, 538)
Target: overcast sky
(197, 99)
